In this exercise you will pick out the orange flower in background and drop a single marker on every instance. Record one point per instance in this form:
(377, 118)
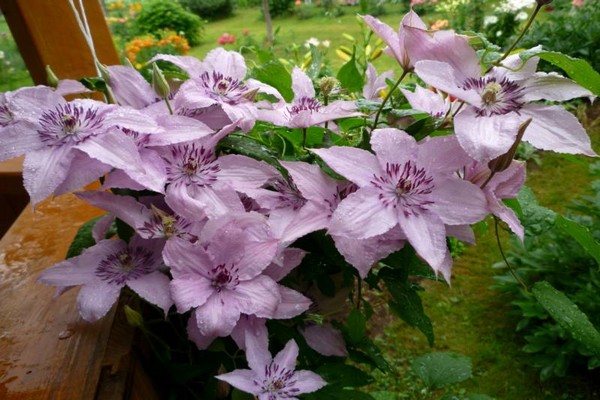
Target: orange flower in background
(141, 49)
(439, 24)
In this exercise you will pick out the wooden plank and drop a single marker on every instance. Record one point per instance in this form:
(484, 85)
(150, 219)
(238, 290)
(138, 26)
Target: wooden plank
(46, 350)
(47, 34)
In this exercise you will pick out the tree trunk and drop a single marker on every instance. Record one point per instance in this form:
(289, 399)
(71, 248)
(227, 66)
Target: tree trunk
(267, 14)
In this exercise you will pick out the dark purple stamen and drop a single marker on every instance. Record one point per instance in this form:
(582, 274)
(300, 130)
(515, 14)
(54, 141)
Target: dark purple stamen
(126, 265)
(69, 123)
(498, 97)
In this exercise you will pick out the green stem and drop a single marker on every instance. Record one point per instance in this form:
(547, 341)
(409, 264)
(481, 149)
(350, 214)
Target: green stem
(169, 106)
(538, 7)
(386, 98)
(304, 138)
(512, 271)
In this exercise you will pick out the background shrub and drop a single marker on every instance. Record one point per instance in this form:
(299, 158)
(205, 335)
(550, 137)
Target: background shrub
(570, 30)
(157, 15)
(211, 9)
(554, 256)
(279, 8)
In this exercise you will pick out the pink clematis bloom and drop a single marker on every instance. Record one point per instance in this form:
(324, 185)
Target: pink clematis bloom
(375, 83)
(104, 269)
(407, 184)
(499, 102)
(221, 278)
(306, 110)
(272, 378)
(432, 102)
(68, 144)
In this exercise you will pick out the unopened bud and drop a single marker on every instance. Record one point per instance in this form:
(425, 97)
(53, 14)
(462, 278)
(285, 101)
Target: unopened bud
(104, 72)
(159, 82)
(250, 95)
(134, 318)
(128, 63)
(502, 162)
(328, 84)
(51, 77)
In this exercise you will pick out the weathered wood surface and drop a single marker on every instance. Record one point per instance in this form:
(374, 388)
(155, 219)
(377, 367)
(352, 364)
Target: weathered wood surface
(46, 350)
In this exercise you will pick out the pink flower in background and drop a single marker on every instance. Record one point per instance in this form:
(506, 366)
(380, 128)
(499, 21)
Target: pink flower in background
(577, 3)
(226, 38)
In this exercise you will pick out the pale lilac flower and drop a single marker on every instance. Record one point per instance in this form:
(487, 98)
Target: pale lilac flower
(217, 93)
(375, 83)
(306, 110)
(104, 269)
(499, 102)
(433, 103)
(68, 144)
(272, 378)
(325, 339)
(413, 42)
(503, 185)
(407, 184)
(221, 278)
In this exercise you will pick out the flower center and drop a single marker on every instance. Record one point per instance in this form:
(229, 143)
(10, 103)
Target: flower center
(278, 382)
(497, 97)
(125, 265)
(405, 186)
(289, 195)
(222, 88)
(165, 226)
(224, 278)
(69, 124)
(305, 104)
(192, 166)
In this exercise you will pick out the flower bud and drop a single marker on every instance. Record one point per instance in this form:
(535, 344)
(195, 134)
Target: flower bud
(51, 77)
(502, 162)
(328, 84)
(104, 72)
(134, 318)
(159, 82)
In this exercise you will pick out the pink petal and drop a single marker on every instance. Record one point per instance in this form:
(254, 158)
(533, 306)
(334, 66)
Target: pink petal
(292, 303)
(67, 273)
(114, 149)
(241, 172)
(459, 202)
(442, 76)
(229, 63)
(554, 128)
(427, 234)
(154, 288)
(18, 139)
(259, 296)
(178, 129)
(313, 183)
(94, 301)
(126, 208)
(553, 87)
(44, 170)
(286, 358)
(201, 341)
(83, 171)
(464, 233)
(70, 86)
(362, 215)
(325, 340)
(242, 379)
(391, 38)
(251, 325)
(442, 154)
(256, 344)
(218, 316)
(393, 146)
(485, 138)
(354, 164)
(308, 381)
(301, 84)
(130, 88)
(189, 64)
(507, 215)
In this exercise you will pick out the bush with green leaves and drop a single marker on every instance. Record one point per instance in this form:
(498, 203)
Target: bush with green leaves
(157, 15)
(278, 8)
(571, 30)
(210, 9)
(555, 256)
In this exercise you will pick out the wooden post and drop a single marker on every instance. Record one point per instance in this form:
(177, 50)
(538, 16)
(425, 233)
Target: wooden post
(47, 33)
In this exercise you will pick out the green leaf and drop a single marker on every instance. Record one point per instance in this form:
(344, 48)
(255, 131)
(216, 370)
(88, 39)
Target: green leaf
(314, 68)
(275, 74)
(536, 218)
(239, 395)
(335, 393)
(83, 239)
(357, 326)
(407, 304)
(342, 375)
(568, 315)
(249, 147)
(442, 369)
(349, 76)
(581, 234)
(384, 395)
(577, 69)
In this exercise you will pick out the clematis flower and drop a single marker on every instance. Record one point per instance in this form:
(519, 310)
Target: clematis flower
(433, 103)
(217, 93)
(375, 83)
(499, 102)
(68, 144)
(272, 378)
(405, 185)
(221, 278)
(306, 110)
(104, 269)
(413, 42)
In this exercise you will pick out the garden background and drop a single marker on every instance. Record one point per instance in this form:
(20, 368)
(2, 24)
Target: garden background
(515, 349)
